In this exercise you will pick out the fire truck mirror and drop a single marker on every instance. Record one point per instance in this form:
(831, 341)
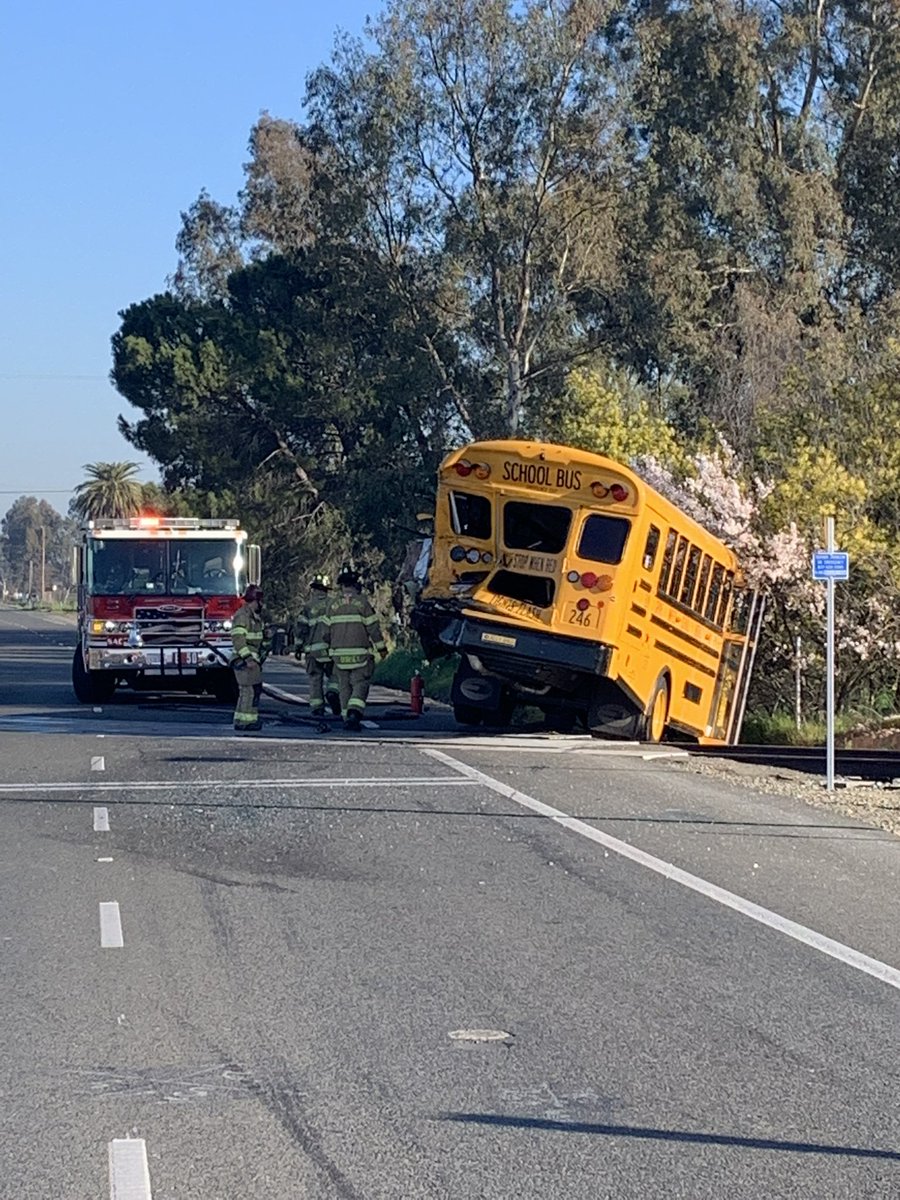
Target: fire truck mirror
(254, 569)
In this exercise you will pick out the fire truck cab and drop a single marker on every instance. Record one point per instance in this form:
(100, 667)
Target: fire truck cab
(156, 596)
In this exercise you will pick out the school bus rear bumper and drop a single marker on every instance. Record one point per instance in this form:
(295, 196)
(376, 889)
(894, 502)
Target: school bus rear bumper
(525, 653)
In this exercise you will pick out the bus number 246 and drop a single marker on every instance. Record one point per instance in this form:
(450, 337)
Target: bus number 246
(577, 617)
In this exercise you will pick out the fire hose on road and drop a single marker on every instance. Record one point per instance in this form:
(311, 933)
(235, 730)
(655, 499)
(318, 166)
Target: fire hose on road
(276, 693)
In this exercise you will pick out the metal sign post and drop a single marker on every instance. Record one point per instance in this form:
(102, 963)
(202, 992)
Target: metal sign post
(829, 665)
(829, 565)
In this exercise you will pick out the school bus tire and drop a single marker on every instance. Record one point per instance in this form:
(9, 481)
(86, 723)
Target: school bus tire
(467, 714)
(498, 718)
(653, 722)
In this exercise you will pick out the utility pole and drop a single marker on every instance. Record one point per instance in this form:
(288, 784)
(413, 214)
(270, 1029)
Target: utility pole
(43, 564)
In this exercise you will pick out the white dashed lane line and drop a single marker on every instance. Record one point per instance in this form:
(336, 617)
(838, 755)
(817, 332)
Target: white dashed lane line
(111, 926)
(101, 820)
(196, 785)
(129, 1175)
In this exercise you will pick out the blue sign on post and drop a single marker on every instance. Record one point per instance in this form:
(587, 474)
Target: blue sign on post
(830, 564)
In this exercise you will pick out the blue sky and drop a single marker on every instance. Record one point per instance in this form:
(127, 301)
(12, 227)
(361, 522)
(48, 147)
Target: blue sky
(113, 119)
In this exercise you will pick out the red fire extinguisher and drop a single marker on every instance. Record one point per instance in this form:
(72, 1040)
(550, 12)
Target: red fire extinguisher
(417, 694)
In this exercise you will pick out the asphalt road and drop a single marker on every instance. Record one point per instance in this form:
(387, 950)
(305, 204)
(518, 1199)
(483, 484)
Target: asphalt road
(233, 968)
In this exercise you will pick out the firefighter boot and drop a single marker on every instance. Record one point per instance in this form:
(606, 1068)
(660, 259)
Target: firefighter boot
(353, 721)
(334, 702)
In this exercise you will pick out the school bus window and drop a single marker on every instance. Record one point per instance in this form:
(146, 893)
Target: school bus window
(740, 611)
(701, 586)
(470, 516)
(650, 548)
(725, 598)
(668, 558)
(542, 528)
(715, 590)
(603, 539)
(690, 576)
(677, 572)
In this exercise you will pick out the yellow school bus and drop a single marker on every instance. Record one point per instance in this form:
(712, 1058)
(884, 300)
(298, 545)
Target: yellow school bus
(564, 581)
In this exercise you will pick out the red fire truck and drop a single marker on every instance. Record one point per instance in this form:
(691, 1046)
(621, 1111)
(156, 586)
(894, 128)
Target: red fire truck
(155, 600)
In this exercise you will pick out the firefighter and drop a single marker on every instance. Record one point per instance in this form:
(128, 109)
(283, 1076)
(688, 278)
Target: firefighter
(311, 648)
(249, 641)
(353, 636)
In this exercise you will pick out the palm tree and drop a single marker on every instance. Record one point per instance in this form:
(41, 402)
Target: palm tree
(109, 491)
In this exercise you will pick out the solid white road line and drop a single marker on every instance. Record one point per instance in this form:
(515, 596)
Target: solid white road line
(111, 926)
(756, 912)
(101, 820)
(239, 784)
(129, 1175)
(98, 763)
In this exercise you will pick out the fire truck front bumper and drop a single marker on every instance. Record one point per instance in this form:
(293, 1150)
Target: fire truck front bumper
(157, 660)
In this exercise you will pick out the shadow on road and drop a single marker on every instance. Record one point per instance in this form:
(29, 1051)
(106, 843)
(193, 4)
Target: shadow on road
(649, 1133)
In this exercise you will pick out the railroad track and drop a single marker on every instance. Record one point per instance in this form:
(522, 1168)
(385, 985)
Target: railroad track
(881, 766)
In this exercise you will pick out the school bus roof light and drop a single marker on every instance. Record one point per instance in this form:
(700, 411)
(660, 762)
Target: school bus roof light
(465, 468)
(617, 491)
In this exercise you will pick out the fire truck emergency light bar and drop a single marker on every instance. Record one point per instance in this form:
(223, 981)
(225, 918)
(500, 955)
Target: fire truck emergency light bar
(160, 523)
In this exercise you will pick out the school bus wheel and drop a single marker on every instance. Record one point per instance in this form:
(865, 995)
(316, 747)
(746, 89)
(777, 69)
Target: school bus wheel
(653, 725)
(467, 714)
(500, 717)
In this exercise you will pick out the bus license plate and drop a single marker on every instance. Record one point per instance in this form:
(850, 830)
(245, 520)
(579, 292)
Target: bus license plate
(498, 639)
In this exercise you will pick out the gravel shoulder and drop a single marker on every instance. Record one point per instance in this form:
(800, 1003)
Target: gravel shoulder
(873, 804)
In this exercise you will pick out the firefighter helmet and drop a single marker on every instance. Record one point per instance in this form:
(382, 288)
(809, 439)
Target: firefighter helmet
(321, 583)
(252, 593)
(349, 578)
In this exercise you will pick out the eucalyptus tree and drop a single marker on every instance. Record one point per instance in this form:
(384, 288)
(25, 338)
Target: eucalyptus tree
(35, 541)
(479, 137)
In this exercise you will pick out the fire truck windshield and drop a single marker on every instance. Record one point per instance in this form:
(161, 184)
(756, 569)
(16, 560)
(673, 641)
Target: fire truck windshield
(186, 567)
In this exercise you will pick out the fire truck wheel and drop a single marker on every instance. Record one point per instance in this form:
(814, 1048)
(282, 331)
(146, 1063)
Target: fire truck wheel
(225, 688)
(91, 687)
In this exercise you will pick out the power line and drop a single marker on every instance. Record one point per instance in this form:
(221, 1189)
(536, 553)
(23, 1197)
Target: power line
(105, 378)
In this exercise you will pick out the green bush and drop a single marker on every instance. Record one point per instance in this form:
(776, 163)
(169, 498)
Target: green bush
(780, 729)
(401, 664)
